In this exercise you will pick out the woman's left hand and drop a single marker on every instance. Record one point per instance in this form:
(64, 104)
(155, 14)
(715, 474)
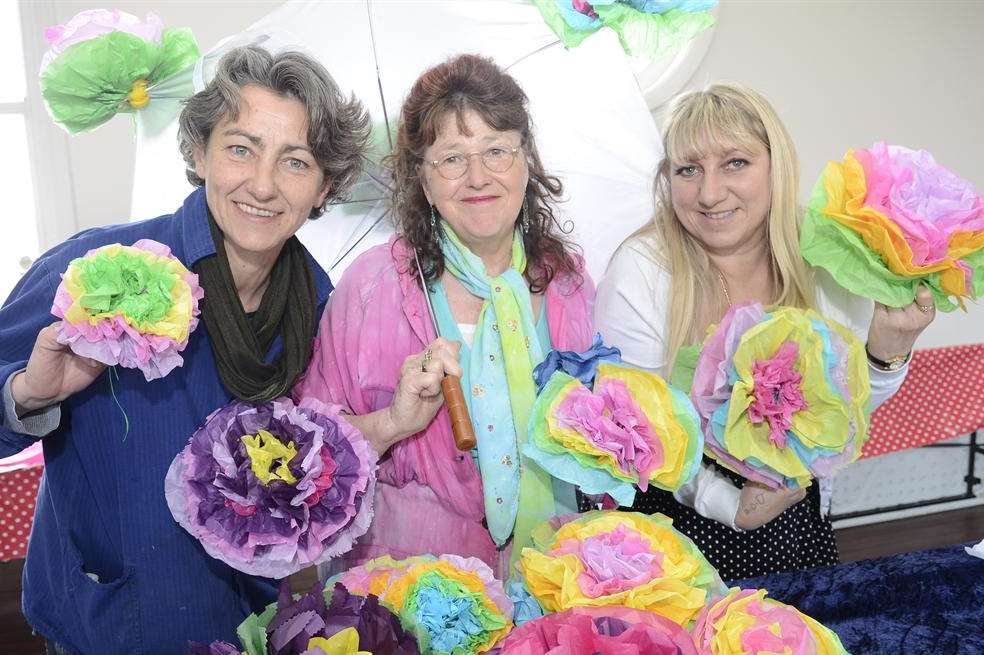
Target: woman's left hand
(894, 330)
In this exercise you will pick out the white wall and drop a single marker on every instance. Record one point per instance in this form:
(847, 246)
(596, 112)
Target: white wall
(847, 74)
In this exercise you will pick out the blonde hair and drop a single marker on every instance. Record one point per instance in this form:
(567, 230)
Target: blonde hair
(724, 115)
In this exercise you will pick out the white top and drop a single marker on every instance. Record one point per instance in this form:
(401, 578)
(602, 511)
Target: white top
(467, 331)
(630, 313)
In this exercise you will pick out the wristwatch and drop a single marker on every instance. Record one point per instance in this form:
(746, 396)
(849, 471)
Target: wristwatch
(891, 364)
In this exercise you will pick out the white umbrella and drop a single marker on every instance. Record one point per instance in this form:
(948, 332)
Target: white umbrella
(591, 121)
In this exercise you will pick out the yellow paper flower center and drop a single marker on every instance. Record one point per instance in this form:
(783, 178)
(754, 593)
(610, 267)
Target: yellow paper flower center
(265, 451)
(344, 642)
(138, 96)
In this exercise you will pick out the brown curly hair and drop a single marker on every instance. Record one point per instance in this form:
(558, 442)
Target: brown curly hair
(462, 83)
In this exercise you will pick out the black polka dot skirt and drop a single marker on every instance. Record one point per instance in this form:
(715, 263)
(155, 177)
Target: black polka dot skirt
(799, 538)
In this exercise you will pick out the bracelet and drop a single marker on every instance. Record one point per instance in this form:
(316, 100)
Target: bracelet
(892, 364)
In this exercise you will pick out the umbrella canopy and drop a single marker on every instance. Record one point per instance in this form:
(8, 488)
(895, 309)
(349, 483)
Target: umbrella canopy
(590, 118)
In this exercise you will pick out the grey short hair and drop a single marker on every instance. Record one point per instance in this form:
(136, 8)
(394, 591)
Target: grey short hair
(338, 128)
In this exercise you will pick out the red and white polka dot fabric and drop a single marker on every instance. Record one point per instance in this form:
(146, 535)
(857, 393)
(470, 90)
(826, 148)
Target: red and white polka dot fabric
(18, 490)
(942, 397)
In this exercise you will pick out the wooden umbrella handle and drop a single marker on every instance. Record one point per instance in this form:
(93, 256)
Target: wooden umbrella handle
(461, 425)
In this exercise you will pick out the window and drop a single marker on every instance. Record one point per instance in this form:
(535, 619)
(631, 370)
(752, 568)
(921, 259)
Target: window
(34, 171)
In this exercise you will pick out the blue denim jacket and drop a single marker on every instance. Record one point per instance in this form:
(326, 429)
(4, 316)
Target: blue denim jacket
(108, 570)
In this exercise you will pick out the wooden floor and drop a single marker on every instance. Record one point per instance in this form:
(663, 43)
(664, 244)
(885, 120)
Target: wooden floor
(863, 542)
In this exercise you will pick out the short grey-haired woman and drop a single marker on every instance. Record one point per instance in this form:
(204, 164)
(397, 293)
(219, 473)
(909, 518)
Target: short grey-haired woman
(268, 143)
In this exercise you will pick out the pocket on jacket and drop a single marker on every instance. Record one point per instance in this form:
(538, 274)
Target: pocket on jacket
(107, 611)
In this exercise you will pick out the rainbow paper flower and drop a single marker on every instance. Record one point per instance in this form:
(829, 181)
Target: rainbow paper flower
(612, 427)
(103, 62)
(325, 621)
(887, 219)
(745, 622)
(782, 395)
(606, 558)
(452, 604)
(646, 28)
(599, 631)
(132, 306)
(273, 488)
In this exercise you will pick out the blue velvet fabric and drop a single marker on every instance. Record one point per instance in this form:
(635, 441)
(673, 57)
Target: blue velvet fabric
(928, 602)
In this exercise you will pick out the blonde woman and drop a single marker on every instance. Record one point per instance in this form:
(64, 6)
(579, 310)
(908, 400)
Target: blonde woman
(726, 231)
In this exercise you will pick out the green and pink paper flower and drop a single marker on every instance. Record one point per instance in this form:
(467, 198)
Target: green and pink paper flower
(132, 306)
(104, 62)
(887, 219)
(273, 488)
(782, 395)
(608, 427)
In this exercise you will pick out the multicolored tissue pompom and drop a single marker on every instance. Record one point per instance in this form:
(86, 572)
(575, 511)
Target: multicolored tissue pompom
(646, 28)
(103, 62)
(606, 558)
(453, 605)
(782, 395)
(599, 631)
(273, 488)
(745, 622)
(887, 218)
(325, 621)
(132, 306)
(613, 427)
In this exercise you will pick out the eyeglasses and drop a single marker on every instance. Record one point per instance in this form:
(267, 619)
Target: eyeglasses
(497, 159)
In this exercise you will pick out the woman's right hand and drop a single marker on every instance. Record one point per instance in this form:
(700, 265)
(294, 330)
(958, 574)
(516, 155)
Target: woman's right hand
(53, 373)
(418, 393)
(759, 504)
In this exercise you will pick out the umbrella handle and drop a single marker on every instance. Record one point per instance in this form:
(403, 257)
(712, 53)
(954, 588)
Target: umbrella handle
(461, 425)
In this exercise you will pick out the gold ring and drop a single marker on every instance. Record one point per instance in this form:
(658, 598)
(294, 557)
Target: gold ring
(925, 309)
(427, 357)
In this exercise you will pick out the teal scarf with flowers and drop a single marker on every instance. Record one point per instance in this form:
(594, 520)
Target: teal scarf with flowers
(518, 494)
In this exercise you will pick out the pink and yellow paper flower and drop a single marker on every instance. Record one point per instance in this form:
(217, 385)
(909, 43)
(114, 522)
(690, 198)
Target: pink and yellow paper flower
(630, 428)
(612, 630)
(608, 558)
(745, 622)
(887, 218)
(782, 395)
(132, 306)
(454, 605)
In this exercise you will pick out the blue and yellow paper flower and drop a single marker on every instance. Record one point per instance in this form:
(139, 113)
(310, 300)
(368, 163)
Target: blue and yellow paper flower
(453, 605)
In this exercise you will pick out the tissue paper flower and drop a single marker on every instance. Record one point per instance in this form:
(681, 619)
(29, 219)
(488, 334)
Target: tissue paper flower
(607, 558)
(329, 619)
(745, 622)
(452, 604)
(103, 62)
(132, 306)
(273, 488)
(599, 631)
(887, 219)
(628, 428)
(646, 28)
(782, 395)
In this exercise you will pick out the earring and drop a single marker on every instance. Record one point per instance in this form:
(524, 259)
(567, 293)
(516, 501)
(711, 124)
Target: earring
(433, 221)
(525, 222)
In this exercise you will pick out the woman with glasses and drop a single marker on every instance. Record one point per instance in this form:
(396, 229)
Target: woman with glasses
(473, 201)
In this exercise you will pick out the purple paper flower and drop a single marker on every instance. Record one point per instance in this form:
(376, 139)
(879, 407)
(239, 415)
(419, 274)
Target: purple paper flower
(92, 23)
(273, 488)
(298, 621)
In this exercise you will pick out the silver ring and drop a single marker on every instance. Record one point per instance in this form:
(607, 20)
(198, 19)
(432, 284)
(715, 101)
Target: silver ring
(427, 357)
(925, 309)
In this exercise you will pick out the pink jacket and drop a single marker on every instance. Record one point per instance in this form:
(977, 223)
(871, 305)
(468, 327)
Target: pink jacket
(429, 495)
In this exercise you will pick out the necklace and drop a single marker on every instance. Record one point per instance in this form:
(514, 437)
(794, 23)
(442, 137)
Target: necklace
(724, 285)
